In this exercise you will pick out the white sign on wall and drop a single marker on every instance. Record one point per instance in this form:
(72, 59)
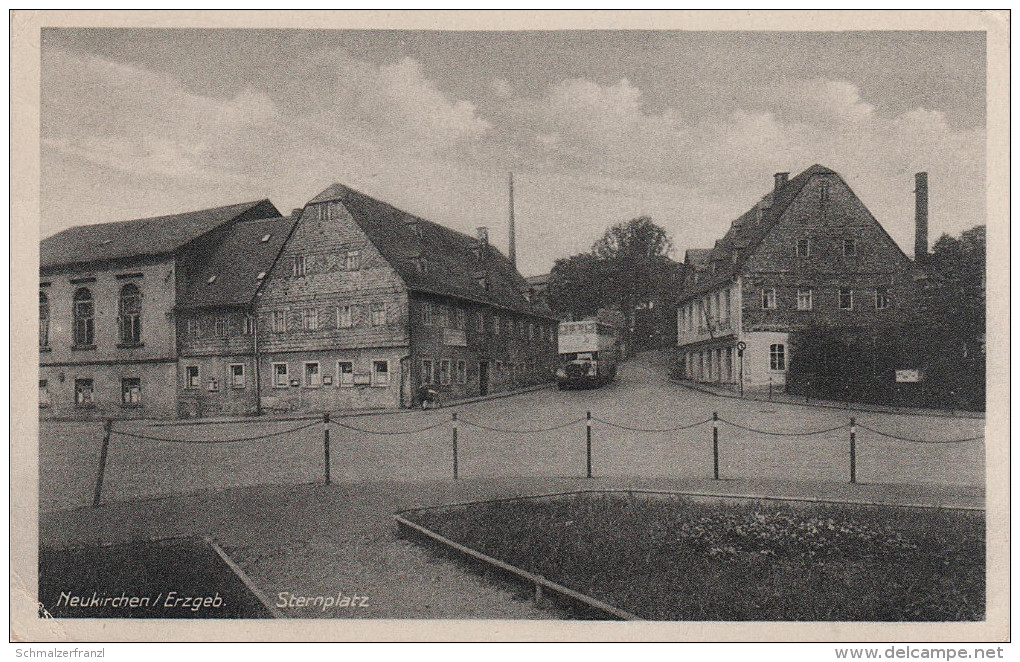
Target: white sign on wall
(908, 376)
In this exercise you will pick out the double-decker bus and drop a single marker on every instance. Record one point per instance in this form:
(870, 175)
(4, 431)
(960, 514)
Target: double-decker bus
(589, 352)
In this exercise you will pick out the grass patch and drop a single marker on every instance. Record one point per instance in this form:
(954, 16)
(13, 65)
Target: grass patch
(679, 559)
(166, 579)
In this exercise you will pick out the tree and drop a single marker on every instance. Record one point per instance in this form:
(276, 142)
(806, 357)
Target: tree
(628, 266)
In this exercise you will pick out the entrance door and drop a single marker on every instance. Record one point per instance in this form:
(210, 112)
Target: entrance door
(483, 378)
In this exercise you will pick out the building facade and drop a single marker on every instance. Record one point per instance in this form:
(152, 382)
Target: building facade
(809, 252)
(107, 294)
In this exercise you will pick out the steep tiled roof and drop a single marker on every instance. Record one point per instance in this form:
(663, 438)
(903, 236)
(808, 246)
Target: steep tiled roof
(230, 275)
(748, 231)
(453, 262)
(145, 236)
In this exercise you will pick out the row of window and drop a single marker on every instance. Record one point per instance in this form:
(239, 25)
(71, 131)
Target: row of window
(719, 364)
(344, 317)
(346, 376)
(299, 263)
(83, 317)
(844, 298)
(848, 247)
(85, 392)
(449, 316)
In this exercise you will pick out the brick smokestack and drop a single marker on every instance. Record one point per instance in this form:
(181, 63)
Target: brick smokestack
(921, 217)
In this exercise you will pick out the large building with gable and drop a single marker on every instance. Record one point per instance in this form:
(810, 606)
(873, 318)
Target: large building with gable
(807, 252)
(348, 303)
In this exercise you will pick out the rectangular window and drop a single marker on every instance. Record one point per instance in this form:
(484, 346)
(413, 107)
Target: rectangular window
(83, 393)
(44, 393)
(344, 317)
(313, 379)
(531, 330)
(380, 373)
(353, 261)
(378, 312)
(131, 391)
(280, 377)
(191, 377)
(881, 298)
(428, 374)
(309, 319)
(249, 325)
(803, 247)
(495, 324)
(444, 372)
(461, 318)
(236, 375)
(846, 298)
(480, 322)
(279, 321)
(768, 298)
(220, 327)
(426, 314)
(345, 371)
(298, 268)
(804, 298)
(443, 317)
(726, 306)
(194, 327)
(461, 371)
(777, 357)
(849, 247)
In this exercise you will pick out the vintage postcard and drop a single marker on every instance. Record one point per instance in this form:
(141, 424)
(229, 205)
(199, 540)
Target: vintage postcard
(510, 326)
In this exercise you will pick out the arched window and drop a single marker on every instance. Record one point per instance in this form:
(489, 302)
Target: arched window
(130, 315)
(44, 320)
(84, 318)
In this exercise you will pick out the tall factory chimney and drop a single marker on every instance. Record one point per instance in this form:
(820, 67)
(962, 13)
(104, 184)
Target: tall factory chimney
(512, 250)
(921, 217)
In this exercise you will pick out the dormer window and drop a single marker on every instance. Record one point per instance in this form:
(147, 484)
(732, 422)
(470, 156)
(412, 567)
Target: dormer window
(211, 280)
(265, 238)
(803, 247)
(262, 274)
(483, 282)
(298, 268)
(416, 229)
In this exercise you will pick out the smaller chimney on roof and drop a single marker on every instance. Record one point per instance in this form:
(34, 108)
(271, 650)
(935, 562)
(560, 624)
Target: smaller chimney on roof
(921, 217)
(483, 235)
(296, 211)
(781, 179)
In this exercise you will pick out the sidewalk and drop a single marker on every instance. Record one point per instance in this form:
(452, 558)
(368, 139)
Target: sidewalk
(790, 399)
(348, 413)
(316, 539)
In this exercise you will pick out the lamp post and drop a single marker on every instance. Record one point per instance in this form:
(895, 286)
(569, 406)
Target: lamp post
(741, 346)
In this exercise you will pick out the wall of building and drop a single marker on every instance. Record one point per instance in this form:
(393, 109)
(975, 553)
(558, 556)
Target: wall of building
(513, 359)
(157, 394)
(154, 279)
(328, 392)
(877, 262)
(709, 315)
(216, 394)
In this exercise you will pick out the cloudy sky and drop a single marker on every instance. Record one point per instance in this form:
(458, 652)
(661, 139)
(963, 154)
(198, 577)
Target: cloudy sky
(598, 126)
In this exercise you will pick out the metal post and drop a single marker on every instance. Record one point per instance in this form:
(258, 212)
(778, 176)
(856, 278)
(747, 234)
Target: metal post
(325, 442)
(107, 431)
(455, 468)
(853, 450)
(588, 441)
(715, 445)
(770, 389)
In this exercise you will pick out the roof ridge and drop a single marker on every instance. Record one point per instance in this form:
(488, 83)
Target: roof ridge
(251, 203)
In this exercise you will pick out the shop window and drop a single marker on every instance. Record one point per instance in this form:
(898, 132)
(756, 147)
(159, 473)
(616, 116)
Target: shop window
(380, 373)
(237, 379)
(84, 393)
(312, 377)
(280, 376)
(191, 378)
(345, 370)
(131, 391)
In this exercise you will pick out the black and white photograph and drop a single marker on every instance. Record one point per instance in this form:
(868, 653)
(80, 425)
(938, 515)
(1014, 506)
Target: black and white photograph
(479, 330)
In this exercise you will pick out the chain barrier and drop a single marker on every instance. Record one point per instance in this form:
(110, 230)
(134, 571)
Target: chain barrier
(388, 433)
(635, 429)
(919, 441)
(783, 434)
(531, 431)
(136, 435)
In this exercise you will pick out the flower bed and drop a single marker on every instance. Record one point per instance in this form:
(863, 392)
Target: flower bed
(679, 559)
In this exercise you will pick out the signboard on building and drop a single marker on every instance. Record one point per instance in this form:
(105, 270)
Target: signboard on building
(455, 337)
(911, 376)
